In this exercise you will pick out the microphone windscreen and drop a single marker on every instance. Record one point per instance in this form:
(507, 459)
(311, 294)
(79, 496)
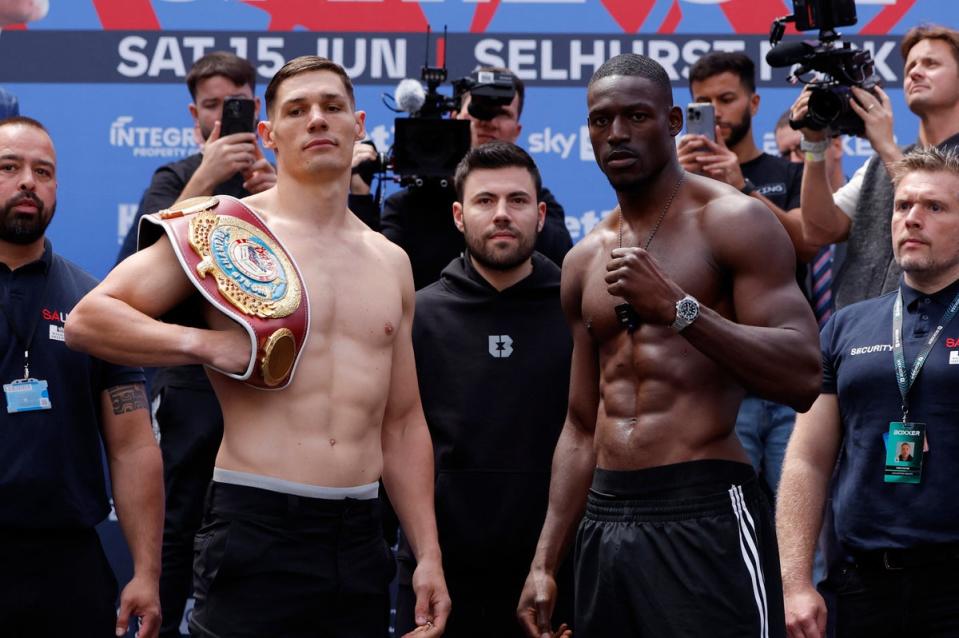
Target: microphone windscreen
(410, 95)
(788, 53)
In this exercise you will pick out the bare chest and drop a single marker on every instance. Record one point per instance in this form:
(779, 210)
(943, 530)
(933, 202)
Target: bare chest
(353, 293)
(687, 262)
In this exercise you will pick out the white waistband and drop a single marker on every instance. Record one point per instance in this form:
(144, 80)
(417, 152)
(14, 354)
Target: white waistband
(246, 479)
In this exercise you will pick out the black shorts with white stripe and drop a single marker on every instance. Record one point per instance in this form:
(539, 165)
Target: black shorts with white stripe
(683, 550)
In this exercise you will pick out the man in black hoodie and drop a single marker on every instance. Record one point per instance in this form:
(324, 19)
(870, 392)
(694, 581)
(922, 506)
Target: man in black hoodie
(492, 357)
(418, 218)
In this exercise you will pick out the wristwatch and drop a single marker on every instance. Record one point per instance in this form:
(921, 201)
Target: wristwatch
(748, 187)
(687, 309)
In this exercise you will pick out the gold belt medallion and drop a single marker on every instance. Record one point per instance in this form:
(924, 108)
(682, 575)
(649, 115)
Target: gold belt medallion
(251, 270)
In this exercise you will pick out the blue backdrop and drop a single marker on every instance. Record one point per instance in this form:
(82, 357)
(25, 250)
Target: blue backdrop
(106, 77)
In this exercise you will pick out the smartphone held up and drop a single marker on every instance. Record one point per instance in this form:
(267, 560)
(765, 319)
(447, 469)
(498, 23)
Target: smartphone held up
(701, 120)
(239, 116)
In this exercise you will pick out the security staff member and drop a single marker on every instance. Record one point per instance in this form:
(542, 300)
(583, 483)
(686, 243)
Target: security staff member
(890, 362)
(58, 406)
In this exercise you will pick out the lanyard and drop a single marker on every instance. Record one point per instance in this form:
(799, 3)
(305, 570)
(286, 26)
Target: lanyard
(25, 343)
(905, 383)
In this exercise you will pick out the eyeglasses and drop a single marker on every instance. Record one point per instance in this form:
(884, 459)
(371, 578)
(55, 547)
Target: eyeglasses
(792, 153)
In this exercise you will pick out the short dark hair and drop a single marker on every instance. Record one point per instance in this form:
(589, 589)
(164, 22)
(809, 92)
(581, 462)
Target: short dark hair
(23, 120)
(916, 35)
(305, 64)
(718, 62)
(518, 85)
(493, 155)
(636, 65)
(230, 66)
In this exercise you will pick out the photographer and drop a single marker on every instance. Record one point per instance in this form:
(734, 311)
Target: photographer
(824, 265)
(420, 219)
(858, 212)
(727, 80)
(361, 202)
(226, 165)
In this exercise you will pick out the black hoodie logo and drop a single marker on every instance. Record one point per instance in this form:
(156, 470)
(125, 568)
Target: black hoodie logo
(500, 346)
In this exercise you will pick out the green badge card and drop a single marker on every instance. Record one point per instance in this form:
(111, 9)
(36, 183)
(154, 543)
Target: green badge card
(904, 452)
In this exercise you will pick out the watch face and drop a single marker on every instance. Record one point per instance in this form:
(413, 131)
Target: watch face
(687, 309)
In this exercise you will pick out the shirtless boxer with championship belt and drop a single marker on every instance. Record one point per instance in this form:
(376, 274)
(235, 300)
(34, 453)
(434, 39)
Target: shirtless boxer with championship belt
(242, 269)
(291, 542)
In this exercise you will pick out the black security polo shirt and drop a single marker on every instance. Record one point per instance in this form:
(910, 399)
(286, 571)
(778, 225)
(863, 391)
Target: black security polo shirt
(51, 473)
(858, 367)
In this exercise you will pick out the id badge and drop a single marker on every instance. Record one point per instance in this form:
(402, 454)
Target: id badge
(904, 452)
(26, 395)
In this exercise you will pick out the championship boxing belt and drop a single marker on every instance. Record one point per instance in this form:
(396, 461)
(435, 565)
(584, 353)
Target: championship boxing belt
(241, 268)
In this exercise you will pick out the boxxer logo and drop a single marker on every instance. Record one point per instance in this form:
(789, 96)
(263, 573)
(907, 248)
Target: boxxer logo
(500, 346)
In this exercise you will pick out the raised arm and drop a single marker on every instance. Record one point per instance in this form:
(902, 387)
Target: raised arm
(137, 479)
(573, 461)
(116, 321)
(408, 467)
(224, 157)
(823, 222)
(807, 468)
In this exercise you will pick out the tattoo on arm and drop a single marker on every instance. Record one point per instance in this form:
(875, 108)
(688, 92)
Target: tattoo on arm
(128, 398)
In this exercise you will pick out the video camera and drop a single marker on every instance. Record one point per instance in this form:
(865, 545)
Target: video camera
(841, 66)
(428, 144)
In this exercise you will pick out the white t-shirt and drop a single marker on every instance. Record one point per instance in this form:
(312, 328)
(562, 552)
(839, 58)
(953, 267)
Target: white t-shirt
(847, 197)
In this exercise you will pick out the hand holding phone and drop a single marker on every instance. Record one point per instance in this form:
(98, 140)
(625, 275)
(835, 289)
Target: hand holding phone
(701, 120)
(239, 116)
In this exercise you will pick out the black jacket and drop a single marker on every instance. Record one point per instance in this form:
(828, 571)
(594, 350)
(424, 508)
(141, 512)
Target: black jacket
(493, 371)
(420, 220)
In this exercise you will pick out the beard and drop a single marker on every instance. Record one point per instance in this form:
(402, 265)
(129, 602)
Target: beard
(739, 130)
(926, 266)
(23, 229)
(499, 259)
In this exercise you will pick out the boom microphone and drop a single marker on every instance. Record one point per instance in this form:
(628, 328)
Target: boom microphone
(788, 53)
(410, 96)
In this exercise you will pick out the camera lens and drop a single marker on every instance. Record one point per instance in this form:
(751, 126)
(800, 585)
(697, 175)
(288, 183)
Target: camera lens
(826, 105)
